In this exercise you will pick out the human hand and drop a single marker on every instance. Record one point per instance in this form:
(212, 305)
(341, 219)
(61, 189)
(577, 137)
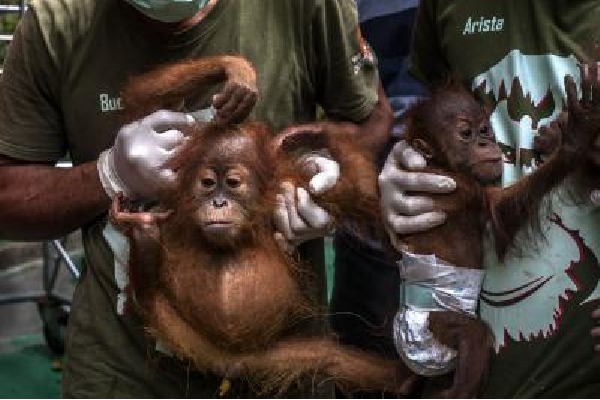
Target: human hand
(405, 213)
(135, 164)
(297, 217)
(239, 94)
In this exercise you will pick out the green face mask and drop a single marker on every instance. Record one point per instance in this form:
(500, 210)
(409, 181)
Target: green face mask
(168, 10)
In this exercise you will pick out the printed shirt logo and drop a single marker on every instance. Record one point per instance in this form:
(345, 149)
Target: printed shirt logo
(528, 91)
(108, 104)
(483, 25)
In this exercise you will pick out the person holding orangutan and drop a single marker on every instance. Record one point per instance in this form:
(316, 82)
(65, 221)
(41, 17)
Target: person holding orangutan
(60, 94)
(542, 300)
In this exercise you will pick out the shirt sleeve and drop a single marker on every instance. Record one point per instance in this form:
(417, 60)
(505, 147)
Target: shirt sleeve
(427, 62)
(30, 119)
(346, 80)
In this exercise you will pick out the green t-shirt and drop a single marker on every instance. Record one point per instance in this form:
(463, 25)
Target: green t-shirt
(515, 54)
(60, 93)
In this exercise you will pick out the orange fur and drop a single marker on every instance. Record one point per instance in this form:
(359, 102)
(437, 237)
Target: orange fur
(440, 127)
(182, 86)
(245, 309)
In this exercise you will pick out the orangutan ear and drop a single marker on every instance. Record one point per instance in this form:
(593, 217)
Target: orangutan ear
(422, 147)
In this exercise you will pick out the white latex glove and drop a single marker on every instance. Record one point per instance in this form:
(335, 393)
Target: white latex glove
(297, 217)
(407, 213)
(134, 164)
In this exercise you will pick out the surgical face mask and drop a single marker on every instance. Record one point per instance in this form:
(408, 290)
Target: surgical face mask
(168, 10)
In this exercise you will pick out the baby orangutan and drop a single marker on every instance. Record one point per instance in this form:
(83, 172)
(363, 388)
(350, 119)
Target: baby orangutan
(453, 132)
(206, 273)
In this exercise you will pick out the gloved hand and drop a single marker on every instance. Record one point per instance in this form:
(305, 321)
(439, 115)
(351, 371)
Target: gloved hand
(134, 165)
(297, 217)
(407, 213)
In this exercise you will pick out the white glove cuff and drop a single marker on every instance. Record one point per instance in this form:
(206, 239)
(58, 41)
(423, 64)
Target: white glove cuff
(111, 182)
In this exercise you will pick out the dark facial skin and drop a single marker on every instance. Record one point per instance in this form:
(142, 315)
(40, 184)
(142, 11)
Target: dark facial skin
(225, 190)
(469, 142)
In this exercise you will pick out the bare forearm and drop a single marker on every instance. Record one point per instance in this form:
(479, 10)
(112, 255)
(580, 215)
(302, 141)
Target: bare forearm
(375, 130)
(42, 202)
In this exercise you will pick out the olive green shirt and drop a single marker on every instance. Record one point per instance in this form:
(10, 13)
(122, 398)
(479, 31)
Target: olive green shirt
(60, 93)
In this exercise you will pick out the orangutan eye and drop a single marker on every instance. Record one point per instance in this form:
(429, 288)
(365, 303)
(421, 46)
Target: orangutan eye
(233, 182)
(465, 134)
(208, 183)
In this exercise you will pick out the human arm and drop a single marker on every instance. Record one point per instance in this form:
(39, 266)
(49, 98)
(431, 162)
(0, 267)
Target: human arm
(39, 201)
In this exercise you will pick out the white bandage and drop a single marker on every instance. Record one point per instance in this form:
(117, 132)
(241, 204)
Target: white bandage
(431, 284)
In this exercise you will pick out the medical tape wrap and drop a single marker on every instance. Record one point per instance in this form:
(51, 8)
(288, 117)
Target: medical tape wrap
(431, 284)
